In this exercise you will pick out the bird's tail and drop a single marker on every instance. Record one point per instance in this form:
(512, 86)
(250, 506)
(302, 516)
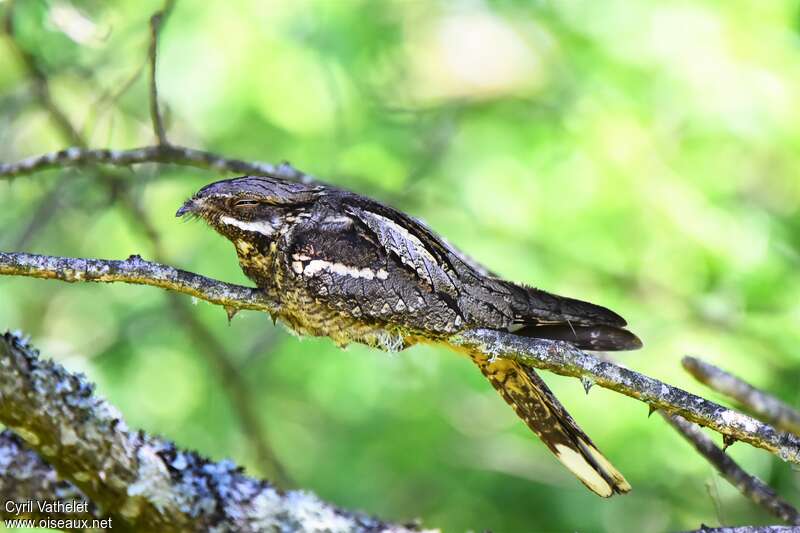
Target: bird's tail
(588, 326)
(534, 403)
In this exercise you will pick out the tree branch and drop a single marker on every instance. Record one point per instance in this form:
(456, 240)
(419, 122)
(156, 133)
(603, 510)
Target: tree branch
(41, 84)
(143, 483)
(558, 357)
(564, 359)
(137, 271)
(166, 154)
(26, 477)
(750, 486)
(156, 22)
(202, 337)
(764, 405)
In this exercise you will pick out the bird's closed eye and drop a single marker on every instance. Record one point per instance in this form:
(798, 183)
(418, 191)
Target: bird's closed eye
(246, 203)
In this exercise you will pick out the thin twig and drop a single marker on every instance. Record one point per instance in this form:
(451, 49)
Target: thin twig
(109, 98)
(41, 84)
(764, 405)
(750, 486)
(156, 22)
(166, 154)
(140, 482)
(210, 347)
(564, 359)
(43, 213)
(556, 356)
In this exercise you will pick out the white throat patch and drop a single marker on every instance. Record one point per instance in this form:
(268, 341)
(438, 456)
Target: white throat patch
(259, 226)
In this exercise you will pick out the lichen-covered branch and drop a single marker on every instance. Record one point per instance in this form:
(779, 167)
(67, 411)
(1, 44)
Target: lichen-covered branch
(558, 357)
(563, 358)
(164, 153)
(750, 486)
(137, 271)
(141, 482)
(764, 405)
(119, 186)
(25, 477)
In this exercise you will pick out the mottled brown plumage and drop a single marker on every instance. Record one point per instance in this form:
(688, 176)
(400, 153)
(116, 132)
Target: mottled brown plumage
(348, 267)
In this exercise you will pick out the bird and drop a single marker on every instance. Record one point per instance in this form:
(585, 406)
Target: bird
(351, 268)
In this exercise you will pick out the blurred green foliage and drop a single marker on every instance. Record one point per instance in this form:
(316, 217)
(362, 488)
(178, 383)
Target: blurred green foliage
(641, 155)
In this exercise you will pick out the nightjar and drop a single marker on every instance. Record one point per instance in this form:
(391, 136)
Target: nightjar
(350, 268)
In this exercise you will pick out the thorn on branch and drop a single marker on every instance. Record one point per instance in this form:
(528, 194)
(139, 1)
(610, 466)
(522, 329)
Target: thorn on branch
(565, 359)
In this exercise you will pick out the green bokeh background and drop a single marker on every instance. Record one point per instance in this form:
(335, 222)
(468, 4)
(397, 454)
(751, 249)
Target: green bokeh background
(641, 155)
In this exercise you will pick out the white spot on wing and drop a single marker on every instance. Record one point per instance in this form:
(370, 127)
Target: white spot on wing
(338, 219)
(318, 265)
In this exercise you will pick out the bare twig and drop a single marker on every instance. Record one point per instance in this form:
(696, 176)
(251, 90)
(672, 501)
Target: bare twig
(206, 342)
(167, 154)
(764, 405)
(43, 213)
(564, 359)
(41, 84)
(142, 483)
(156, 22)
(137, 271)
(750, 486)
(559, 357)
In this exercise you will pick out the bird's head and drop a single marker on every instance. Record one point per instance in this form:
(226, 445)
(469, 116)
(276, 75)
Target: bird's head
(250, 207)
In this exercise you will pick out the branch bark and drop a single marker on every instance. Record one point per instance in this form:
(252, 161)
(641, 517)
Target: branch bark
(750, 486)
(141, 482)
(764, 405)
(564, 359)
(165, 153)
(556, 356)
(26, 477)
(137, 271)
(120, 187)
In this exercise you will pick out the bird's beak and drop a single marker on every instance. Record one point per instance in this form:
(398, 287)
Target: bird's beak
(188, 206)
